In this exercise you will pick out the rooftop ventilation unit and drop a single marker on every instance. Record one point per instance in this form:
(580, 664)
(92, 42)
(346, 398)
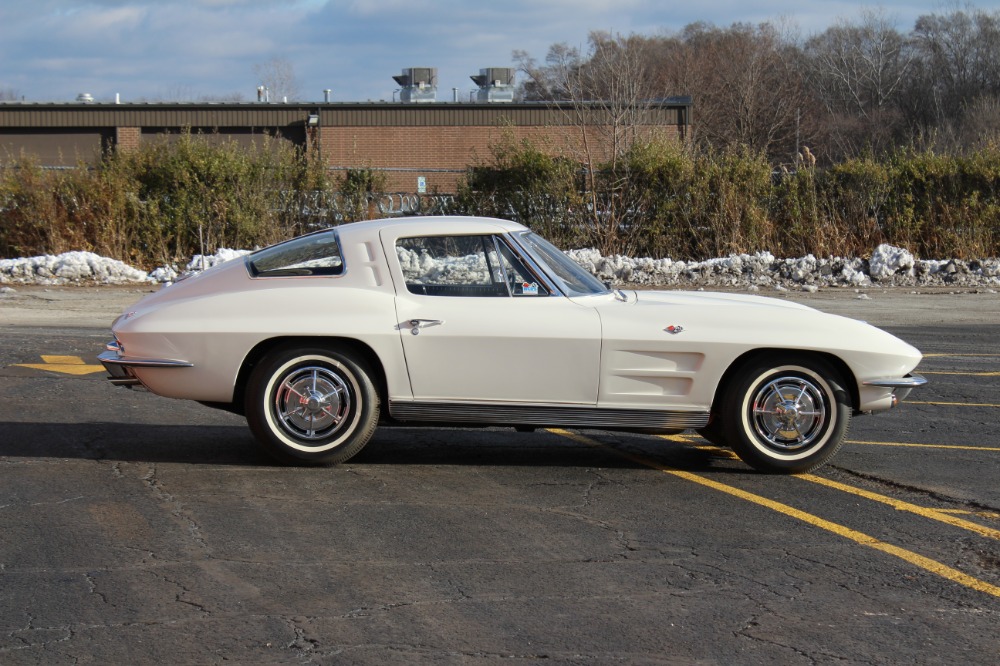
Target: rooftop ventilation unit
(417, 84)
(496, 84)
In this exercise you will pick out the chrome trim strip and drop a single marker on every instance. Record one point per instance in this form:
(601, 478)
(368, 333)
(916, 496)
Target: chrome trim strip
(515, 245)
(545, 415)
(114, 359)
(909, 381)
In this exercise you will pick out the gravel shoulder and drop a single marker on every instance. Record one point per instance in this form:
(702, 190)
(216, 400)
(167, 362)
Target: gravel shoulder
(97, 306)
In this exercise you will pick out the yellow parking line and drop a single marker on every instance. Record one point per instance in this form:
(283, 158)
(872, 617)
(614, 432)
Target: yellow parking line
(900, 505)
(690, 439)
(966, 512)
(66, 360)
(926, 446)
(951, 404)
(919, 561)
(67, 365)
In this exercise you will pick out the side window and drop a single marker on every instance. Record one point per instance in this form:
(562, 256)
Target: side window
(316, 254)
(451, 266)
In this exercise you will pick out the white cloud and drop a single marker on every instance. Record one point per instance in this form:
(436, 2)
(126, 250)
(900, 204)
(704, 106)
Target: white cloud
(142, 47)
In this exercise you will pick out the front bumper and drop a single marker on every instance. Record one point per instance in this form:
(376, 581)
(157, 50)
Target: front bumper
(902, 385)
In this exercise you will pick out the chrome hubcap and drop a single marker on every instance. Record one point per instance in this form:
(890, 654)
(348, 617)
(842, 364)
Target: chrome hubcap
(311, 403)
(788, 414)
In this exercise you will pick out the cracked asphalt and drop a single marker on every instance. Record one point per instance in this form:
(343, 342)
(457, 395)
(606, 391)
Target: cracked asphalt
(138, 529)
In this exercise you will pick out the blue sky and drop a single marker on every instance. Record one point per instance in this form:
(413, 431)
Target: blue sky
(51, 50)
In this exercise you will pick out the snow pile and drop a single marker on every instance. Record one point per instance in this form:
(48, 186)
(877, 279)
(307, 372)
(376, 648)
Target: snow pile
(87, 267)
(888, 266)
(419, 267)
(887, 261)
(69, 267)
(197, 264)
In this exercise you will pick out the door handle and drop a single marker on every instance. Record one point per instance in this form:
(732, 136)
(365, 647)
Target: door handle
(417, 324)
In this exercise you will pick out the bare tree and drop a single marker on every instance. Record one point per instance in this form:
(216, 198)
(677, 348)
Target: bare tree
(182, 93)
(278, 80)
(981, 123)
(233, 97)
(9, 95)
(552, 81)
(858, 72)
(607, 98)
(745, 81)
(960, 62)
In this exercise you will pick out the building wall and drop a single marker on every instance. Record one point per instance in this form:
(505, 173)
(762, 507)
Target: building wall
(441, 155)
(54, 147)
(434, 142)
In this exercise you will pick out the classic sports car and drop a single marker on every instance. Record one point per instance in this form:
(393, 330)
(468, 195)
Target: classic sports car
(472, 321)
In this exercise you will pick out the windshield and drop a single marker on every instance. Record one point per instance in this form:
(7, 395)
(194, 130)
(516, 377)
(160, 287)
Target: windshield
(572, 278)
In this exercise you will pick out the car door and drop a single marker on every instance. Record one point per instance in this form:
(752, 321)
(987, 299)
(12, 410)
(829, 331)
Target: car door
(476, 326)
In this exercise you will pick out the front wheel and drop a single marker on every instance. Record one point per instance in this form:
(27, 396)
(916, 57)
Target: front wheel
(786, 414)
(312, 405)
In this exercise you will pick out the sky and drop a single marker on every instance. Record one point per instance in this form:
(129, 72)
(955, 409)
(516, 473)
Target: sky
(183, 50)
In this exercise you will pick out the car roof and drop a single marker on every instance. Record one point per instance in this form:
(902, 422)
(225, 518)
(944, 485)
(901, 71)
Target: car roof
(433, 224)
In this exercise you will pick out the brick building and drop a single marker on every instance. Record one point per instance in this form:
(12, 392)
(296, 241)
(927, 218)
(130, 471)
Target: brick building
(417, 145)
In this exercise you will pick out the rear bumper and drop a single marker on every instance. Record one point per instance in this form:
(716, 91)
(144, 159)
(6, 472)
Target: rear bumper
(121, 368)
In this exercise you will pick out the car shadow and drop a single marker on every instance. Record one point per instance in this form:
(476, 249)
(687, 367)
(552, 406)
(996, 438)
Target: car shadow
(233, 445)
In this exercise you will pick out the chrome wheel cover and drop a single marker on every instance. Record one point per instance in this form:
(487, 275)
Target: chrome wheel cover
(312, 403)
(788, 414)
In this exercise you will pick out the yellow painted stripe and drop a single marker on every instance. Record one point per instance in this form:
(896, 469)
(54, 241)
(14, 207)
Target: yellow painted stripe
(67, 365)
(966, 512)
(963, 374)
(915, 559)
(681, 439)
(63, 368)
(65, 360)
(900, 505)
(951, 404)
(961, 447)
(690, 439)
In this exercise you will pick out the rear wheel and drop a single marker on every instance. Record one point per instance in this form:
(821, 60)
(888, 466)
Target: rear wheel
(785, 414)
(312, 405)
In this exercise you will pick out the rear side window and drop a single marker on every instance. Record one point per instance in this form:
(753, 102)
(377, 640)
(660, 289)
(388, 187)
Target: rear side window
(316, 254)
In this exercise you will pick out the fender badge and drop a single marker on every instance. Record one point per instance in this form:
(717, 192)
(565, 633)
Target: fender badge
(674, 330)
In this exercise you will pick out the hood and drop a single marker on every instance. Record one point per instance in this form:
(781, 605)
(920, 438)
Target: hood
(707, 298)
(707, 318)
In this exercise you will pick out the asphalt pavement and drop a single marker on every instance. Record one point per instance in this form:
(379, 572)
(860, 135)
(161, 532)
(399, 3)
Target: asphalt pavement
(138, 529)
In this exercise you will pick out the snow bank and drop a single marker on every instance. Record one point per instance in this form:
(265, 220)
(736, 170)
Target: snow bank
(888, 266)
(69, 267)
(197, 264)
(87, 267)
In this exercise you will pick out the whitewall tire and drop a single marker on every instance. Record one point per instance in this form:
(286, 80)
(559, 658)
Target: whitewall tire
(312, 405)
(785, 414)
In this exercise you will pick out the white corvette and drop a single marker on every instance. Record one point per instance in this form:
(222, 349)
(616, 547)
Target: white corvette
(460, 320)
